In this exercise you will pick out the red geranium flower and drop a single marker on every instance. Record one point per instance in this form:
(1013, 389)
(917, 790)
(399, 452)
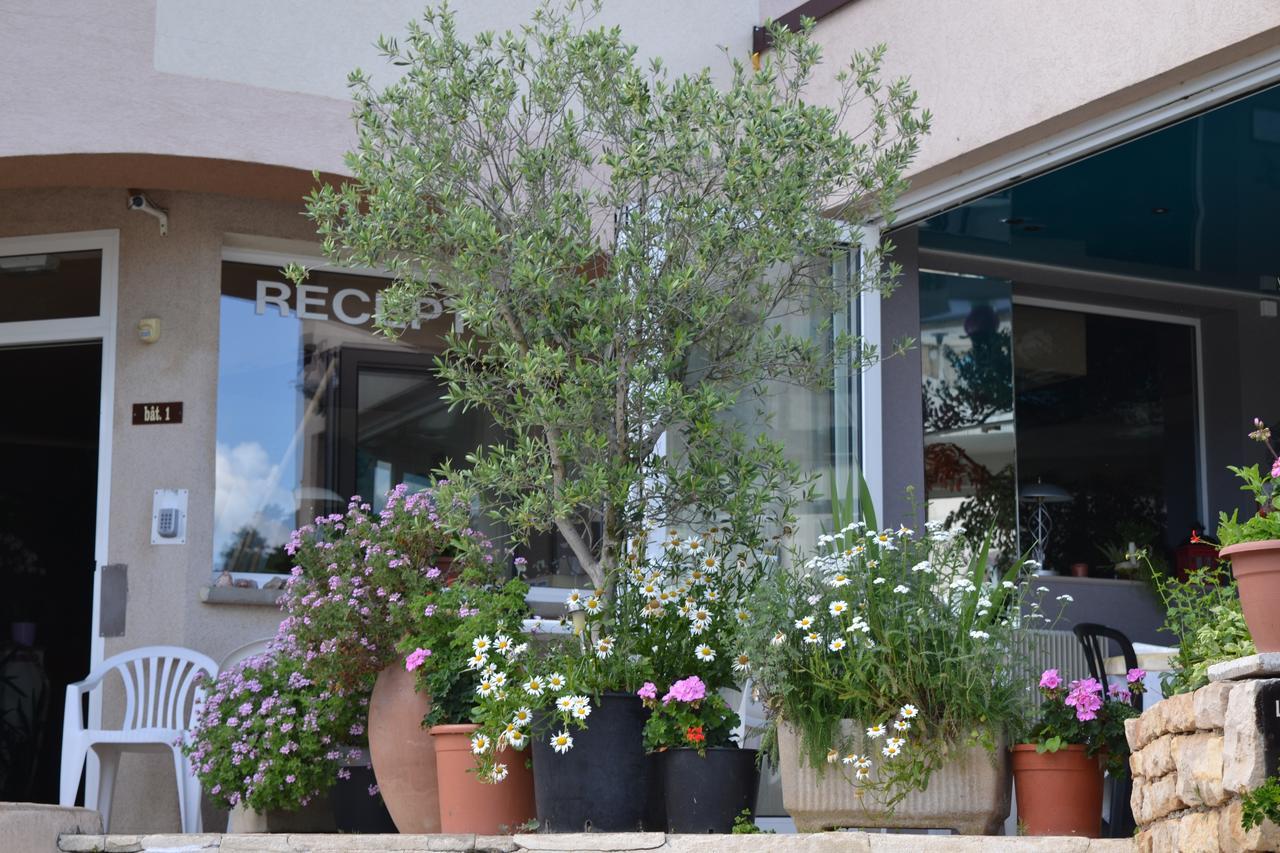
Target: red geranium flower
(694, 734)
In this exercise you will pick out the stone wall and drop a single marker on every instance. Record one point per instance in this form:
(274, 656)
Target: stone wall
(1193, 755)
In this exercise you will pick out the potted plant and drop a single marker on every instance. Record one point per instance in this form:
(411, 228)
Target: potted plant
(1253, 545)
(470, 617)
(888, 666)
(706, 779)
(347, 606)
(1079, 734)
(269, 742)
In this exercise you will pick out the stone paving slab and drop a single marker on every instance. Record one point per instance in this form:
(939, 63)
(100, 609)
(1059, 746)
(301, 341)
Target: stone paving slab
(631, 842)
(1263, 665)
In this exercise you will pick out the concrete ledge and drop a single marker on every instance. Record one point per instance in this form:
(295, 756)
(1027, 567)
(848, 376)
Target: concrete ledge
(240, 595)
(1264, 665)
(35, 827)
(635, 842)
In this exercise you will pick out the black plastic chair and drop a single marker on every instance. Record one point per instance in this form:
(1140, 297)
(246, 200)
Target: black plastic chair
(1093, 638)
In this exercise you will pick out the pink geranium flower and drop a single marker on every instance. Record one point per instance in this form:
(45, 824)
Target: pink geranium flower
(416, 658)
(1086, 697)
(1135, 674)
(648, 690)
(1050, 680)
(689, 689)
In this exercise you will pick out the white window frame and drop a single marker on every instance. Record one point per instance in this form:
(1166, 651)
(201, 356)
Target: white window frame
(100, 328)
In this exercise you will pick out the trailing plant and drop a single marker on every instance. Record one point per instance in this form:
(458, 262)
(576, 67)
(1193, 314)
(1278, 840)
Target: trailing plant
(1204, 613)
(1089, 714)
(621, 247)
(687, 715)
(905, 634)
(1262, 485)
(1262, 803)
(269, 737)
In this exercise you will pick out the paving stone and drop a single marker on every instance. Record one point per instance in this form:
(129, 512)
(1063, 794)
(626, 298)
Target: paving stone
(1199, 763)
(81, 843)
(495, 844)
(254, 842)
(122, 844)
(817, 842)
(1210, 704)
(1266, 664)
(595, 842)
(181, 843)
(1111, 845)
(1243, 758)
(975, 843)
(1198, 833)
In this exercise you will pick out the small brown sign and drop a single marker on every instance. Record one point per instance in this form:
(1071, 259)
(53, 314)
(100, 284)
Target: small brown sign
(157, 413)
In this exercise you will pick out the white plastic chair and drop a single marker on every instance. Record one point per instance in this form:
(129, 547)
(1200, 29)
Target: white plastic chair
(160, 696)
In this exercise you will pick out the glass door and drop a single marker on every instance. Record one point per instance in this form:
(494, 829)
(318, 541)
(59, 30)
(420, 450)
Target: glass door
(970, 437)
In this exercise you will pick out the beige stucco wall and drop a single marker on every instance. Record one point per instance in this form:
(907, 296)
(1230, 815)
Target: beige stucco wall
(1000, 74)
(259, 82)
(175, 278)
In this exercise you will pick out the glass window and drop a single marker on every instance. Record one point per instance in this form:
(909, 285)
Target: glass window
(50, 286)
(314, 406)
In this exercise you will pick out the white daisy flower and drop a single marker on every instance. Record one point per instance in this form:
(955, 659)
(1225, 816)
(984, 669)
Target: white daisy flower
(480, 744)
(498, 679)
(908, 712)
(832, 756)
(902, 589)
(903, 530)
(521, 718)
(481, 644)
(498, 773)
(862, 775)
(742, 664)
(896, 742)
(804, 623)
(694, 544)
(743, 615)
(603, 647)
(863, 763)
(812, 638)
(555, 682)
(705, 653)
(574, 600)
(565, 704)
(849, 759)
(836, 608)
(709, 563)
(562, 742)
(891, 751)
(502, 644)
(517, 739)
(901, 725)
(839, 579)
(837, 644)
(534, 686)
(878, 730)
(778, 639)
(485, 688)
(592, 605)
(712, 595)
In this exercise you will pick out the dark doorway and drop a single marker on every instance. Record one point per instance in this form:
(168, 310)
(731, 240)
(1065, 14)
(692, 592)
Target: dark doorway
(49, 421)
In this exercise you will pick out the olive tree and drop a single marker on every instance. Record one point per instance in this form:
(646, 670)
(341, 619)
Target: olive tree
(619, 245)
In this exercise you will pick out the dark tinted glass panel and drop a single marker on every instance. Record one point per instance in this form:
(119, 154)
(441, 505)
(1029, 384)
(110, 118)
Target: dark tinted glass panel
(50, 286)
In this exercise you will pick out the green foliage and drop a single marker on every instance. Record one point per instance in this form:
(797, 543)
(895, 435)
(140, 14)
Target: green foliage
(1262, 485)
(1262, 803)
(744, 824)
(892, 630)
(621, 247)
(701, 724)
(268, 737)
(447, 621)
(1204, 613)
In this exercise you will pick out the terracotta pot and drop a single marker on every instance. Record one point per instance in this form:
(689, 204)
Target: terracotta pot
(1256, 566)
(466, 804)
(402, 752)
(1059, 793)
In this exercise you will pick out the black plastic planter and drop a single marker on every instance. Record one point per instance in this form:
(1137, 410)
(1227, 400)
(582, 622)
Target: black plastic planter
(705, 794)
(599, 785)
(354, 809)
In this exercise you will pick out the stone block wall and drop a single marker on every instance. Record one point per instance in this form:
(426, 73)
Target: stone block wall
(1193, 756)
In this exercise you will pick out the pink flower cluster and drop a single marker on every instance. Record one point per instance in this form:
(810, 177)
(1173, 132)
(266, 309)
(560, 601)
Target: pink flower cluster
(416, 658)
(1085, 696)
(648, 690)
(689, 689)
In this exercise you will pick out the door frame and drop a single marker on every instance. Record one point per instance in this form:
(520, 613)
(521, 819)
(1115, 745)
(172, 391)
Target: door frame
(101, 328)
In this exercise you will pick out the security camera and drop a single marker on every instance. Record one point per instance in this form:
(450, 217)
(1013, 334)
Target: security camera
(139, 201)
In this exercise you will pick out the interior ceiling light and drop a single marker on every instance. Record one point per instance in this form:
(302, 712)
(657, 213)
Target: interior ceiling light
(1159, 211)
(1013, 220)
(1032, 228)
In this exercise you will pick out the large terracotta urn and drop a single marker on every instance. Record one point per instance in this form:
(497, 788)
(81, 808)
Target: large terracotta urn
(402, 752)
(1256, 566)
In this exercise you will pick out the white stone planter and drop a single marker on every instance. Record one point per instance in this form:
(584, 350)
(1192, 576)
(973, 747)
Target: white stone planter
(969, 795)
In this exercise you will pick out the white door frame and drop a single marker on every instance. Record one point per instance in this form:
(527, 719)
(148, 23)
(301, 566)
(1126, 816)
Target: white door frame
(71, 330)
